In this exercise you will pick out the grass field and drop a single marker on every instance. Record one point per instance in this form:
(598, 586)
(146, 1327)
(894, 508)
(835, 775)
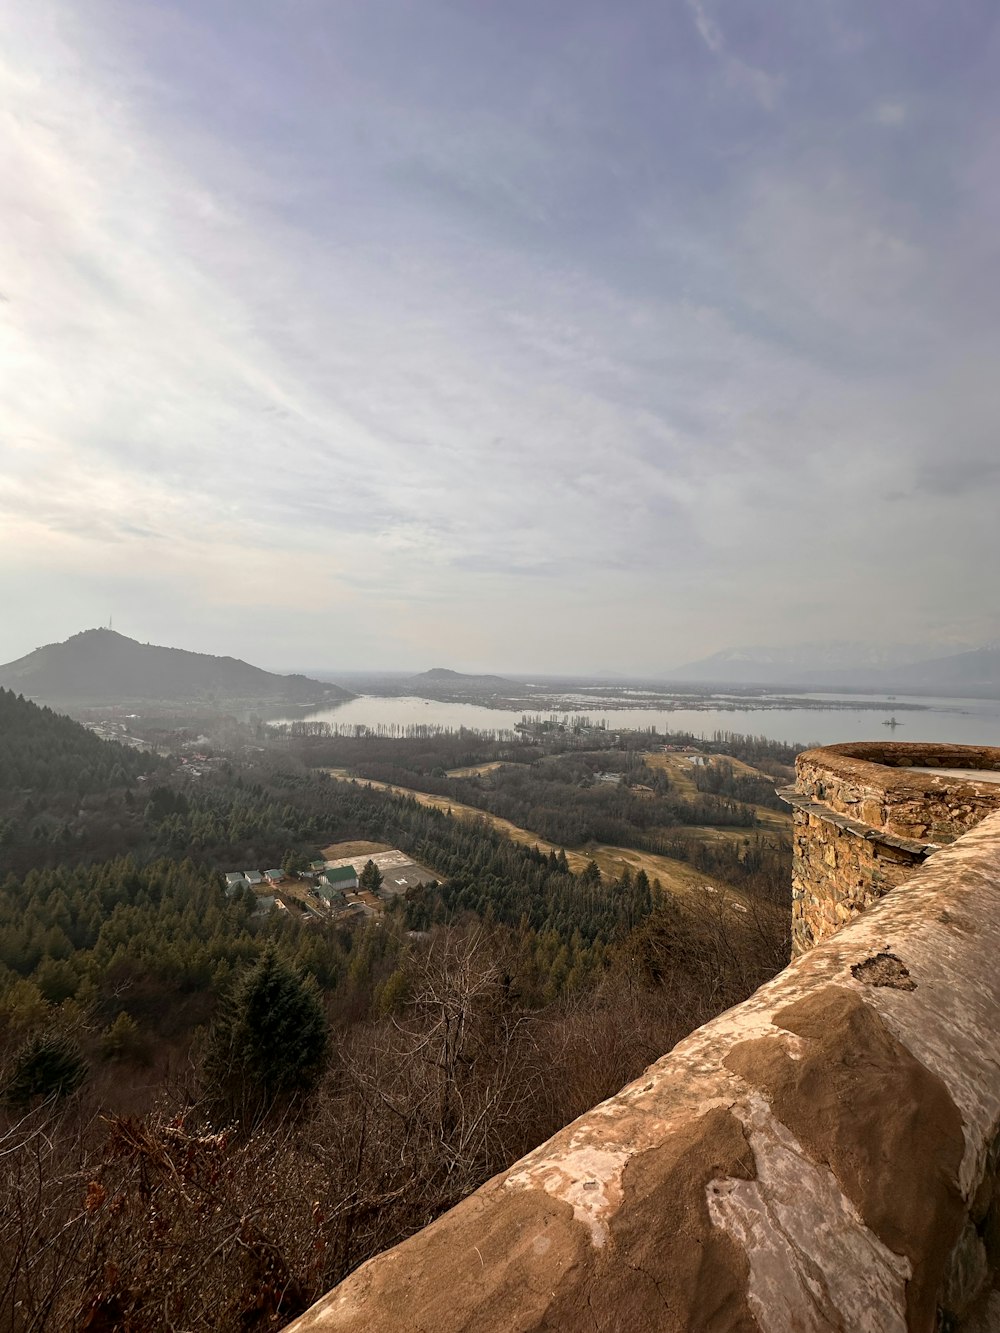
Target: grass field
(339, 851)
(676, 876)
(476, 769)
(577, 860)
(679, 770)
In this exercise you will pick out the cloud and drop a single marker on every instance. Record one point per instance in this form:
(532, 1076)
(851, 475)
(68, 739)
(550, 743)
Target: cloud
(708, 29)
(600, 336)
(764, 87)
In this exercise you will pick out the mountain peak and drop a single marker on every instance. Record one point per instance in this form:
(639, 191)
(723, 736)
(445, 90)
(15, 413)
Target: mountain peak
(101, 666)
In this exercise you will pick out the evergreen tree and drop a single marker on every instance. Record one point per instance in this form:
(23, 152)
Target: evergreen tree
(294, 863)
(123, 1041)
(271, 1040)
(48, 1065)
(371, 877)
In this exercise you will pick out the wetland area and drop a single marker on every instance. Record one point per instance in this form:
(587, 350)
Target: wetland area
(821, 719)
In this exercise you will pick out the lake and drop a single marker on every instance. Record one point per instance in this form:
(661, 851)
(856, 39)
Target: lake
(959, 721)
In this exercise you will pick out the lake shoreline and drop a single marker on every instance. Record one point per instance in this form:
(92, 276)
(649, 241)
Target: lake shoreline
(798, 721)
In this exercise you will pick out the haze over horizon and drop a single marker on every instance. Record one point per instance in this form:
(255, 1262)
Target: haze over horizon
(794, 664)
(557, 338)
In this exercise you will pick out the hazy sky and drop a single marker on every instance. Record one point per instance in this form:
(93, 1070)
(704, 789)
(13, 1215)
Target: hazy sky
(543, 334)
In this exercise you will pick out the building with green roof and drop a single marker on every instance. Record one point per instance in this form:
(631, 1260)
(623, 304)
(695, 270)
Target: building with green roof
(341, 877)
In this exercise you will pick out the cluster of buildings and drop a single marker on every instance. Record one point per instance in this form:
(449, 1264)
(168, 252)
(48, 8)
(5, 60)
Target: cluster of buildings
(331, 885)
(325, 885)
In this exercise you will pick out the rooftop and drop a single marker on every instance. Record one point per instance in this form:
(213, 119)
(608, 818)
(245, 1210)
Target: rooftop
(341, 874)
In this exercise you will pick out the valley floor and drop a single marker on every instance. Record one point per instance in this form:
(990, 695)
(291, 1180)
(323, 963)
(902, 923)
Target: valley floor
(676, 876)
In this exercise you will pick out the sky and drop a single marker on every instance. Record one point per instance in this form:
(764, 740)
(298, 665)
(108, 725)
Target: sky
(554, 335)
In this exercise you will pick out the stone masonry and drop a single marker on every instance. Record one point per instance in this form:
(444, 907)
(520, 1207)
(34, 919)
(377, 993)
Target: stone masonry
(866, 816)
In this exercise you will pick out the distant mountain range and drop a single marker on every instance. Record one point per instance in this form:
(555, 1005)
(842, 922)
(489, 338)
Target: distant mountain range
(100, 666)
(975, 672)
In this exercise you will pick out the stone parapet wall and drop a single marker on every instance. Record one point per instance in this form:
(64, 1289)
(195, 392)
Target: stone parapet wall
(864, 819)
(874, 782)
(837, 873)
(823, 1156)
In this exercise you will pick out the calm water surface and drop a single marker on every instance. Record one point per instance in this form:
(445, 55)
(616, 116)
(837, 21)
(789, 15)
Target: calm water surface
(962, 721)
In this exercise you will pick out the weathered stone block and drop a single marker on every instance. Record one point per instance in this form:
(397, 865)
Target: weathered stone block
(872, 812)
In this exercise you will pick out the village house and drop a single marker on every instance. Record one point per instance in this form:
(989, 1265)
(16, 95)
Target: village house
(341, 877)
(335, 897)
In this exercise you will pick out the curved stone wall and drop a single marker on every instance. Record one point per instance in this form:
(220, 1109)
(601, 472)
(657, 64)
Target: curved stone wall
(866, 815)
(824, 1156)
(884, 786)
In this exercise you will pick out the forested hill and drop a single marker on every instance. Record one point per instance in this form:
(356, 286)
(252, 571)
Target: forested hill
(42, 752)
(100, 666)
(63, 790)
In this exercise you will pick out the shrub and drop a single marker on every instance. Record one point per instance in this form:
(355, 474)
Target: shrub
(49, 1065)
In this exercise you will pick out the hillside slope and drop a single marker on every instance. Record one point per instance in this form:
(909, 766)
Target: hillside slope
(101, 666)
(42, 751)
(803, 663)
(977, 672)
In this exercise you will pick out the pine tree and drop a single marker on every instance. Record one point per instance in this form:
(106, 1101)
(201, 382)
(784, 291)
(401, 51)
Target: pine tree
(48, 1065)
(294, 863)
(123, 1041)
(271, 1040)
(371, 877)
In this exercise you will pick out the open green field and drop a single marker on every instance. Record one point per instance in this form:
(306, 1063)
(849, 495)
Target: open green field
(675, 876)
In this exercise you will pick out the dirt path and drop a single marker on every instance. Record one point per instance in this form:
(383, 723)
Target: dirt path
(676, 876)
(577, 860)
(476, 769)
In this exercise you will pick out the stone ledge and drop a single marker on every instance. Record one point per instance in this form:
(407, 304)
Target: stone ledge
(824, 1155)
(856, 827)
(888, 766)
(864, 817)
